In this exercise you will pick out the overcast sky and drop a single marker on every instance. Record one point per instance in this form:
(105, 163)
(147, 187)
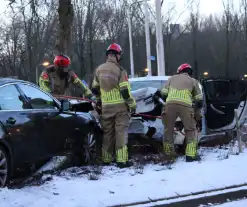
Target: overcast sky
(3, 4)
(206, 7)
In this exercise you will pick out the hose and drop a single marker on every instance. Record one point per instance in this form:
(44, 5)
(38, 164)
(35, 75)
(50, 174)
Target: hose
(75, 98)
(91, 101)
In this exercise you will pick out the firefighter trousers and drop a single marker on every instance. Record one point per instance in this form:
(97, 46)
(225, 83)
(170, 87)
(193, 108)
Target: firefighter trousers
(170, 113)
(115, 122)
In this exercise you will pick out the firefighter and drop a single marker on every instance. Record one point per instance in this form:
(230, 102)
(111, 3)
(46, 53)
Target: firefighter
(56, 78)
(112, 90)
(181, 93)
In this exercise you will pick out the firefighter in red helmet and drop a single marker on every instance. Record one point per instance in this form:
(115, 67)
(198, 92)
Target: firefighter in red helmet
(56, 78)
(181, 93)
(112, 90)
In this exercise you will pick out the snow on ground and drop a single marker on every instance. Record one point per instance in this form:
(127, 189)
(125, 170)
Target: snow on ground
(117, 186)
(241, 203)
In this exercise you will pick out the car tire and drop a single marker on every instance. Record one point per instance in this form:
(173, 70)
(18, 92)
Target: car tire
(4, 167)
(90, 148)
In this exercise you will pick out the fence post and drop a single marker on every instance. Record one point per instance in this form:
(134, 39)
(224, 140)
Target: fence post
(238, 132)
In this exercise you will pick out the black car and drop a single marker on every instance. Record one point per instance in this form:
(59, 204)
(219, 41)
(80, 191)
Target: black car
(35, 126)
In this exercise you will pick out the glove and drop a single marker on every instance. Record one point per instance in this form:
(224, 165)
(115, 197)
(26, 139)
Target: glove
(158, 93)
(98, 107)
(132, 110)
(93, 98)
(156, 98)
(198, 115)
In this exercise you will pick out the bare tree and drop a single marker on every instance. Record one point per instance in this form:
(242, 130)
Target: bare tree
(32, 34)
(194, 28)
(227, 29)
(66, 14)
(244, 22)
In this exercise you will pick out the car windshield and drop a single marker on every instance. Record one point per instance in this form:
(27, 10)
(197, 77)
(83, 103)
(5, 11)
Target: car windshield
(135, 85)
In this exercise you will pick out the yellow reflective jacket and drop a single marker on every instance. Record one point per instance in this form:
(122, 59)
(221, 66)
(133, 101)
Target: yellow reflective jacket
(182, 89)
(111, 85)
(50, 81)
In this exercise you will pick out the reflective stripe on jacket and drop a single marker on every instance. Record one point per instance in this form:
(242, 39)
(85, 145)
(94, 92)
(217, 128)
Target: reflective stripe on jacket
(109, 80)
(182, 89)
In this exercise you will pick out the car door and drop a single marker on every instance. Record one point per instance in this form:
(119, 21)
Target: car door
(222, 97)
(23, 134)
(53, 124)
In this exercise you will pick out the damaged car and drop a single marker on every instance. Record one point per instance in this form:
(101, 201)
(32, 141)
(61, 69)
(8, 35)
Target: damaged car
(35, 127)
(222, 97)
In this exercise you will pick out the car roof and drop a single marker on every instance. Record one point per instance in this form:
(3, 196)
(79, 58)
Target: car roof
(4, 81)
(150, 78)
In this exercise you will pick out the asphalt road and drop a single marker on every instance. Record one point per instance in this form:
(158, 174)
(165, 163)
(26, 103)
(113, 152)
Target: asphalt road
(215, 199)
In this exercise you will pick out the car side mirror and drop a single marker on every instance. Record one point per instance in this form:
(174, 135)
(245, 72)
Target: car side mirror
(65, 105)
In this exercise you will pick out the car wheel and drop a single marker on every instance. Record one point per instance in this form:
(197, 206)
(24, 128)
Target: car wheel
(4, 167)
(90, 148)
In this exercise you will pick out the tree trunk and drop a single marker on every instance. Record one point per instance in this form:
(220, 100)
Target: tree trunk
(66, 14)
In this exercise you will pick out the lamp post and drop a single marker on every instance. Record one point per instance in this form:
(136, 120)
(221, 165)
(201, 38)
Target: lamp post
(131, 45)
(159, 39)
(147, 36)
(148, 50)
(45, 64)
(205, 73)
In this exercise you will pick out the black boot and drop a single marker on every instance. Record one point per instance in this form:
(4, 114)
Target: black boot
(180, 150)
(193, 159)
(124, 164)
(169, 159)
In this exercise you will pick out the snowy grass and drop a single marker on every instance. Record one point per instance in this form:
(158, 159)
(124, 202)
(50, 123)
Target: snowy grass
(145, 181)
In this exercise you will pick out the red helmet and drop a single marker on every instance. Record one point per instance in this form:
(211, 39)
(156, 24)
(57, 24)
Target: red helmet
(62, 61)
(183, 67)
(114, 47)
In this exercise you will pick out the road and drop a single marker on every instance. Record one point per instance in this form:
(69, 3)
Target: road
(215, 199)
(203, 198)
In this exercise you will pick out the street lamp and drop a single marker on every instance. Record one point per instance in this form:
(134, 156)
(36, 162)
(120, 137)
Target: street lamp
(205, 73)
(146, 70)
(131, 45)
(130, 36)
(159, 40)
(245, 75)
(148, 49)
(45, 64)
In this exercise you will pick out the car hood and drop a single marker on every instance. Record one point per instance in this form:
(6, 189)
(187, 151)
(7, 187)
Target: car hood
(143, 99)
(143, 92)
